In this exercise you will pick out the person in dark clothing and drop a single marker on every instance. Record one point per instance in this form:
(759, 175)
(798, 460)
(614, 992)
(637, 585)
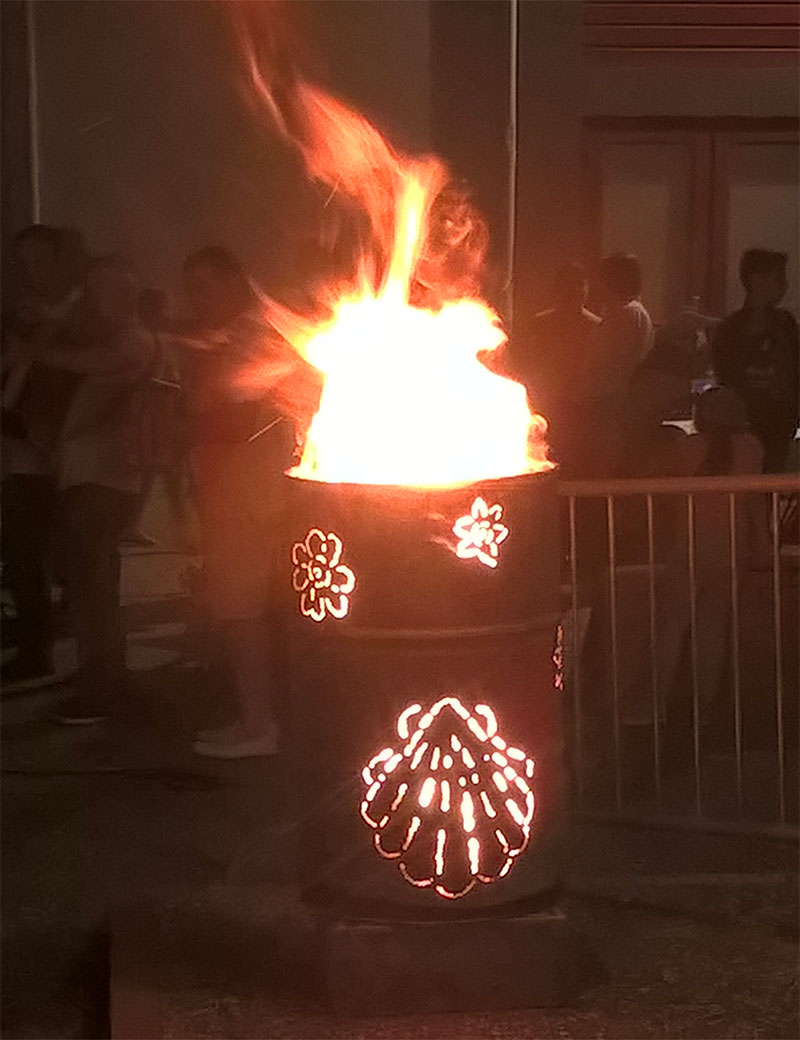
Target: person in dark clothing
(659, 389)
(46, 261)
(26, 536)
(756, 352)
(555, 350)
(722, 446)
(98, 476)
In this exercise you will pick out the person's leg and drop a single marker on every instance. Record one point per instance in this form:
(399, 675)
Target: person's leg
(173, 485)
(713, 636)
(238, 571)
(178, 488)
(254, 732)
(132, 535)
(248, 645)
(672, 632)
(93, 519)
(776, 445)
(775, 429)
(28, 507)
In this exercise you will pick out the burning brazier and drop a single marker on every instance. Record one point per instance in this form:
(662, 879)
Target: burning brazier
(422, 568)
(426, 733)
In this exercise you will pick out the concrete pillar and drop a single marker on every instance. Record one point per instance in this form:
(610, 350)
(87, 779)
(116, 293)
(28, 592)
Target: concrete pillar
(549, 139)
(470, 83)
(15, 146)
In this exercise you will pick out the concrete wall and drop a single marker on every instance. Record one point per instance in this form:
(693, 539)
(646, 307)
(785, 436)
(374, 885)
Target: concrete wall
(691, 89)
(470, 83)
(559, 87)
(548, 229)
(761, 206)
(377, 54)
(147, 142)
(148, 145)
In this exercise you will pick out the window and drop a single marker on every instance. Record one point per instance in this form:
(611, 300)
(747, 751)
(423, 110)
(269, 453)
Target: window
(687, 201)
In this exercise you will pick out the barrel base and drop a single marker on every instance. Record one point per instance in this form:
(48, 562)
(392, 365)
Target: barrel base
(487, 964)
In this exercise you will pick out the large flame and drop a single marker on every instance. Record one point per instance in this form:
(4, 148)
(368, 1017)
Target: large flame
(404, 342)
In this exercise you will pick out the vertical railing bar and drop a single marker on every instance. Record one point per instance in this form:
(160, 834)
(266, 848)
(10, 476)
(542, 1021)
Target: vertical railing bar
(776, 605)
(735, 662)
(651, 575)
(612, 590)
(576, 646)
(690, 517)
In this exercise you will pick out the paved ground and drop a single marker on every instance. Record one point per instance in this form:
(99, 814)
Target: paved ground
(696, 935)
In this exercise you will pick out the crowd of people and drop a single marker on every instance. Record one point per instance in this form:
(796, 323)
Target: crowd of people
(608, 382)
(105, 390)
(619, 396)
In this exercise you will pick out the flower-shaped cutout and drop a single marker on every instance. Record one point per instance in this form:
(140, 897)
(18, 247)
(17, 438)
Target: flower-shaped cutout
(323, 581)
(454, 806)
(480, 532)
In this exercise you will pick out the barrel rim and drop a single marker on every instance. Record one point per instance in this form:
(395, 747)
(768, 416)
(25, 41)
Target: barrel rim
(421, 490)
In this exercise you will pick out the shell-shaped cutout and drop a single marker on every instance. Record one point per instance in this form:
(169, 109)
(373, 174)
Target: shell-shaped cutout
(453, 806)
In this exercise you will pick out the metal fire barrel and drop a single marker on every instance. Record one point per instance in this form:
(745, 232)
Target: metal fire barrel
(424, 729)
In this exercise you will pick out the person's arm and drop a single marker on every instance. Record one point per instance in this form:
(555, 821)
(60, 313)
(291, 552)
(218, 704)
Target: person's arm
(15, 369)
(127, 352)
(291, 383)
(646, 332)
(26, 356)
(755, 541)
(196, 343)
(13, 350)
(721, 350)
(793, 335)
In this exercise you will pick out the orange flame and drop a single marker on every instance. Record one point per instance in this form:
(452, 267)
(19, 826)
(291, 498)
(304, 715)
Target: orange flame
(407, 397)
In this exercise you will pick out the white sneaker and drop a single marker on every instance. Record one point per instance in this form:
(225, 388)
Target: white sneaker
(227, 746)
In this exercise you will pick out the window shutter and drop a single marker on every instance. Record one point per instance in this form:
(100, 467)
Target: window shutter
(637, 30)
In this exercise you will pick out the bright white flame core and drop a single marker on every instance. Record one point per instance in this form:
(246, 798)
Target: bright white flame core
(406, 400)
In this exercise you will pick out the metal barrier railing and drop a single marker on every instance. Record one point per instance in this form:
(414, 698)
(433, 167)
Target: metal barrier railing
(701, 523)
